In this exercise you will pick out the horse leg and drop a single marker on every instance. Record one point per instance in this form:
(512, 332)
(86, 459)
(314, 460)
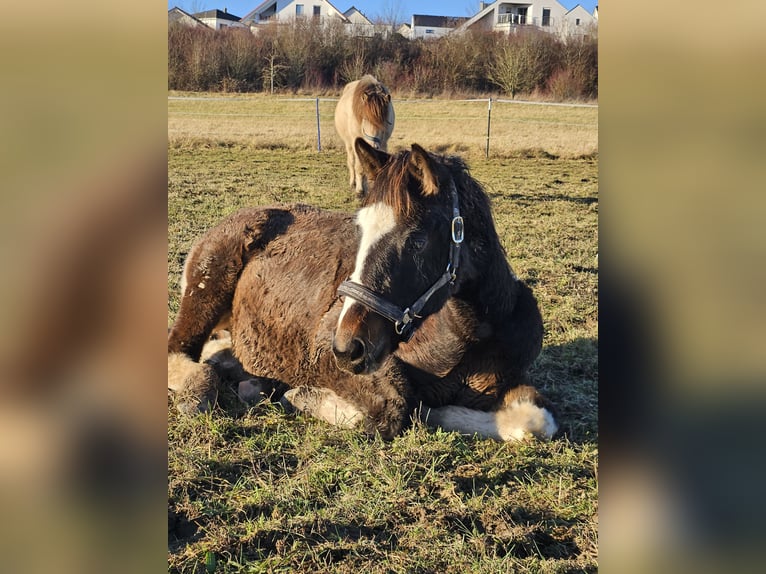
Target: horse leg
(380, 403)
(210, 277)
(324, 404)
(351, 163)
(522, 413)
(361, 180)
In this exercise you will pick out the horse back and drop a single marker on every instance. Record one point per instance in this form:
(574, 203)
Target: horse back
(287, 291)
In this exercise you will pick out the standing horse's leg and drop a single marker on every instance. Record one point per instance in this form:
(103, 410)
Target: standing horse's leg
(361, 181)
(351, 163)
(210, 277)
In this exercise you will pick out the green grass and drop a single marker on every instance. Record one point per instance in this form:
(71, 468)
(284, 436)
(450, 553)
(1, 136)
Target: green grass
(263, 492)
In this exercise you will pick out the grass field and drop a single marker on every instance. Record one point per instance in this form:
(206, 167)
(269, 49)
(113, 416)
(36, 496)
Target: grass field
(252, 490)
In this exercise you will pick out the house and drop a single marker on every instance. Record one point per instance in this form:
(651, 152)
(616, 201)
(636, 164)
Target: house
(405, 30)
(178, 16)
(510, 17)
(359, 24)
(217, 19)
(433, 26)
(578, 22)
(285, 11)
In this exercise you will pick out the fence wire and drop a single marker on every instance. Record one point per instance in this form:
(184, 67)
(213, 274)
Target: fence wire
(314, 111)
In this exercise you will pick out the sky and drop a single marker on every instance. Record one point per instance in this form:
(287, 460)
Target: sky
(404, 9)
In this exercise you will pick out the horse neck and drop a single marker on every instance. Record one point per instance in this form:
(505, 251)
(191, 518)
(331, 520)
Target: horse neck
(491, 288)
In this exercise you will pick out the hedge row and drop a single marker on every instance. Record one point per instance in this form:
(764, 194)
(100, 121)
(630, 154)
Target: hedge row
(309, 57)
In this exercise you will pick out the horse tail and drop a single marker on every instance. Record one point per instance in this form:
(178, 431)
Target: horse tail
(371, 102)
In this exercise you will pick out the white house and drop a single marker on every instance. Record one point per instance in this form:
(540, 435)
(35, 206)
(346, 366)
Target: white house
(178, 16)
(358, 23)
(217, 19)
(578, 22)
(510, 17)
(284, 11)
(424, 26)
(405, 30)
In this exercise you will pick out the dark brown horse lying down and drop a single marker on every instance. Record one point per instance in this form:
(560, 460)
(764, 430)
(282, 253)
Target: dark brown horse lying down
(407, 309)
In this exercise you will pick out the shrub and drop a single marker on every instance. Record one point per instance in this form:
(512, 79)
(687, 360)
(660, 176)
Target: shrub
(309, 56)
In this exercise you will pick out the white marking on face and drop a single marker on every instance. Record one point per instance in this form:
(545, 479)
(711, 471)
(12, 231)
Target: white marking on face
(375, 221)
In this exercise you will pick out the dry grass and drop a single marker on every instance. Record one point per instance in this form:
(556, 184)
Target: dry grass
(274, 121)
(255, 491)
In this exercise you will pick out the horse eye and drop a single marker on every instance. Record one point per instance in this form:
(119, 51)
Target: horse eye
(418, 241)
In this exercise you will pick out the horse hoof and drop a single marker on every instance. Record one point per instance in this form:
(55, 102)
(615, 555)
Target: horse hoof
(252, 391)
(194, 385)
(191, 406)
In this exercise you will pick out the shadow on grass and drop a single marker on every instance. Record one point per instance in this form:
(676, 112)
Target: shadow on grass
(528, 198)
(568, 375)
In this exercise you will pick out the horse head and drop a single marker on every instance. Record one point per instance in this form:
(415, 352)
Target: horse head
(375, 112)
(408, 262)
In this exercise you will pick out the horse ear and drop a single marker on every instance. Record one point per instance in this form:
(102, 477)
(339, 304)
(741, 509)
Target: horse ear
(372, 159)
(422, 168)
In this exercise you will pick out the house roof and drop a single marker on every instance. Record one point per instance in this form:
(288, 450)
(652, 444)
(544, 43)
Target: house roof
(479, 15)
(437, 21)
(218, 14)
(353, 9)
(176, 14)
(268, 3)
(251, 15)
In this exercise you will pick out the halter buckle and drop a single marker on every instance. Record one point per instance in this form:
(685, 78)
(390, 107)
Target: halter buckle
(402, 324)
(458, 230)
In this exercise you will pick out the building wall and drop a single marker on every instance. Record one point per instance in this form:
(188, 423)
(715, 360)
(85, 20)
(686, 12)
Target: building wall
(429, 32)
(217, 24)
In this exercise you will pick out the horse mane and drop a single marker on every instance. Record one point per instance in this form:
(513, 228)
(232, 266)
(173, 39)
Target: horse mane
(392, 188)
(371, 101)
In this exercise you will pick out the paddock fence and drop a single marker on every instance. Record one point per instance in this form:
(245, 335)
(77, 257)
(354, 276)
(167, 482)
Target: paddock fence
(480, 125)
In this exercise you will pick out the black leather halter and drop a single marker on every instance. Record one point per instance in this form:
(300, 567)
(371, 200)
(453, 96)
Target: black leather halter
(403, 318)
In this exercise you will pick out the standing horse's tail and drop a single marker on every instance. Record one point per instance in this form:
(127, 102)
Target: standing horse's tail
(211, 272)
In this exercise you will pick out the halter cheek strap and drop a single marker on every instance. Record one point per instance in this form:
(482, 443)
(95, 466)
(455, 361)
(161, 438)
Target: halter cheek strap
(403, 318)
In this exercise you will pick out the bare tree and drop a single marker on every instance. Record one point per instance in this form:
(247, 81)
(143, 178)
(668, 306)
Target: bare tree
(391, 14)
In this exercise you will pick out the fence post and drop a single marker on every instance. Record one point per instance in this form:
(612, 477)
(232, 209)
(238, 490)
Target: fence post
(319, 133)
(489, 121)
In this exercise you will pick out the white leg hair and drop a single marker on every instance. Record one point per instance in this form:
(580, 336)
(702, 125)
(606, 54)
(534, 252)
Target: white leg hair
(323, 404)
(515, 422)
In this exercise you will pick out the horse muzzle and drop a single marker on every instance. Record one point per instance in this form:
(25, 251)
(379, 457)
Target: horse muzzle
(353, 357)
(360, 348)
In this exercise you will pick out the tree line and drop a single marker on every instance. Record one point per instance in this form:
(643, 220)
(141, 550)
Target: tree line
(308, 57)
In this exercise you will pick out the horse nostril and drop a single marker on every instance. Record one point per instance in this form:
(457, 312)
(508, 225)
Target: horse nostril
(356, 353)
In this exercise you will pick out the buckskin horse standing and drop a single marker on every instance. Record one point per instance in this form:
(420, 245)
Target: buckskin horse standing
(415, 313)
(364, 111)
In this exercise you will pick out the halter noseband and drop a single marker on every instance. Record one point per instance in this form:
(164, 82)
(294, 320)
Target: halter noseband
(403, 318)
(375, 140)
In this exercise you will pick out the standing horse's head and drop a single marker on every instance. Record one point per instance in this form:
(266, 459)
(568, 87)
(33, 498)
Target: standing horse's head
(374, 111)
(408, 257)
